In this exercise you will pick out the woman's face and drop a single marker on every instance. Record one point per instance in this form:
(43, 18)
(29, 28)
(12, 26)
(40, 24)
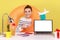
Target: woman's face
(27, 12)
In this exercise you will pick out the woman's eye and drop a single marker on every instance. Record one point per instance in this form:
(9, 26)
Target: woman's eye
(25, 11)
(28, 11)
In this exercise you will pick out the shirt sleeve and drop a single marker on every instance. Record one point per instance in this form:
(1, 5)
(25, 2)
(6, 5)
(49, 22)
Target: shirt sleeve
(20, 24)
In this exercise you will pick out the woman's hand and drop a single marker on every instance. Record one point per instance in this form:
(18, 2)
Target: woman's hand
(24, 26)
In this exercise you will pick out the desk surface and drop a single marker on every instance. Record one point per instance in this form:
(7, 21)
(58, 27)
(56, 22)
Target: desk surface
(31, 37)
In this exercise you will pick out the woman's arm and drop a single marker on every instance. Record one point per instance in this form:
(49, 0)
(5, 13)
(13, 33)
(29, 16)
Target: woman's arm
(19, 27)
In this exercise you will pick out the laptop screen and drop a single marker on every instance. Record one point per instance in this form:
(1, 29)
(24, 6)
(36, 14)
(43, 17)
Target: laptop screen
(43, 25)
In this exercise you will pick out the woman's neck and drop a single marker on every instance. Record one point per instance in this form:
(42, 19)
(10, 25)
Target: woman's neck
(27, 17)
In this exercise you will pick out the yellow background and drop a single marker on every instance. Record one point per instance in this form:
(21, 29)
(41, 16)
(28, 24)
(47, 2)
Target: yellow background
(6, 6)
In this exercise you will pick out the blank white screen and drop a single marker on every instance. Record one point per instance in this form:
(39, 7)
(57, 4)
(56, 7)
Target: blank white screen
(43, 25)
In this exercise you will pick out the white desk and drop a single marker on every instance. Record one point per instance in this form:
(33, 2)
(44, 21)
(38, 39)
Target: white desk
(31, 37)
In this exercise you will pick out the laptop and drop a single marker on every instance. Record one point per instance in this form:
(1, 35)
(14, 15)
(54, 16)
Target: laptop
(43, 26)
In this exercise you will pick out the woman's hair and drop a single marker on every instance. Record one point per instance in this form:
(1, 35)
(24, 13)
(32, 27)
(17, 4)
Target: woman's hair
(28, 6)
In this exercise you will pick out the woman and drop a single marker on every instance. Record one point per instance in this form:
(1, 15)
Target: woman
(26, 21)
